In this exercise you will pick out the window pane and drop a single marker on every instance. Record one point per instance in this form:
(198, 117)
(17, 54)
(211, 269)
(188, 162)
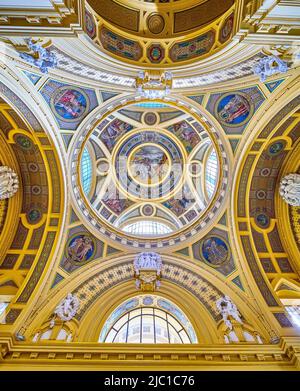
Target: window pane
(121, 336)
(174, 323)
(86, 171)
(110, 336)
(184, 337)
(148, 329)
(211, 173)
(160, 313)
(161, 330)
(134, 313)
(120, 322)
(147, 311)
(294, 313)
(174, 336)
(3, 307)
(147, 227)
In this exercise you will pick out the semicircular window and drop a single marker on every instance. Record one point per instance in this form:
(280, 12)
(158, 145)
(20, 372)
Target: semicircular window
(147, 227)
(148, 319)
(86, 171)
(211, 173)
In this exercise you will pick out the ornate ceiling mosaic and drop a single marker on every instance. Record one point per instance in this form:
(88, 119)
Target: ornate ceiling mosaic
(154, 172)
(139, 33)
(151, 140)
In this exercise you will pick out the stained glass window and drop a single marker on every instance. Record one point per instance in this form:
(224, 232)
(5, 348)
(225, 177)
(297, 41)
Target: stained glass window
(148, 319)
(147, 227)
(211, 173)
(86, 171)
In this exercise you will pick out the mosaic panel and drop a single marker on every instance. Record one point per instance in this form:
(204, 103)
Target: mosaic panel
(119, 45)
(214, 250)
(69, 104)
(39, 268)
(235, 109)
(12, 315)
(226, 29)
(201, 14)
(261, 283)
(192, 48)
(155, 53)
(90, 290)
(81, 248)
(90, 25)
(271, 86)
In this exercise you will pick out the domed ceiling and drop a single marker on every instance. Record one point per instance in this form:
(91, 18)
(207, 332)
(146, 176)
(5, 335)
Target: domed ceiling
(149, 170)
(164, 33)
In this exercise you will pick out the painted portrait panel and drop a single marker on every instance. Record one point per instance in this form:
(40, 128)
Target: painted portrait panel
(215, 251)
(113, 132)
(149, 164)
(186, 135)
(69, 104)
(80, 248)
(234, 109)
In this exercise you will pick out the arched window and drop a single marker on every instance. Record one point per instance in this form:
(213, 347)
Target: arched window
(86, 171)
(148, 319)
(147, 227)
(211, 173)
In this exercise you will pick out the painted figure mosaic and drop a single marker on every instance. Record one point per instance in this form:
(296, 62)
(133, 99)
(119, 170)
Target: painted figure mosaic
(215, 251)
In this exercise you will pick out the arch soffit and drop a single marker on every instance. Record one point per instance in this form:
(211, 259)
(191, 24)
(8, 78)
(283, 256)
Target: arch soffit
(180, 276)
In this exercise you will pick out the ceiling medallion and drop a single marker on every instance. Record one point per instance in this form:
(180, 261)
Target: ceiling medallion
(155, 23)
(146, 165)
(154, 85)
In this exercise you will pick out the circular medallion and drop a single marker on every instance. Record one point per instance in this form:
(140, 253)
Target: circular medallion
(33, 167)
(276, 148)
(195, 168)
(90, 26)
(148, 210)
(155, 23)
(148, 300)
(148, 165)
(80, 248)
(261, 194)
(215, 251)
(34, 216)
(103, 166)
(156, 53)
(69, 104)
(265, 172)
(23, 141)
(150, 119)
(262, 220)
(234, 109)
(36, 190)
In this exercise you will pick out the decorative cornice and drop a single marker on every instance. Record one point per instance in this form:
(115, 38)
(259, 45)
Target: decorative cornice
(286, 356)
